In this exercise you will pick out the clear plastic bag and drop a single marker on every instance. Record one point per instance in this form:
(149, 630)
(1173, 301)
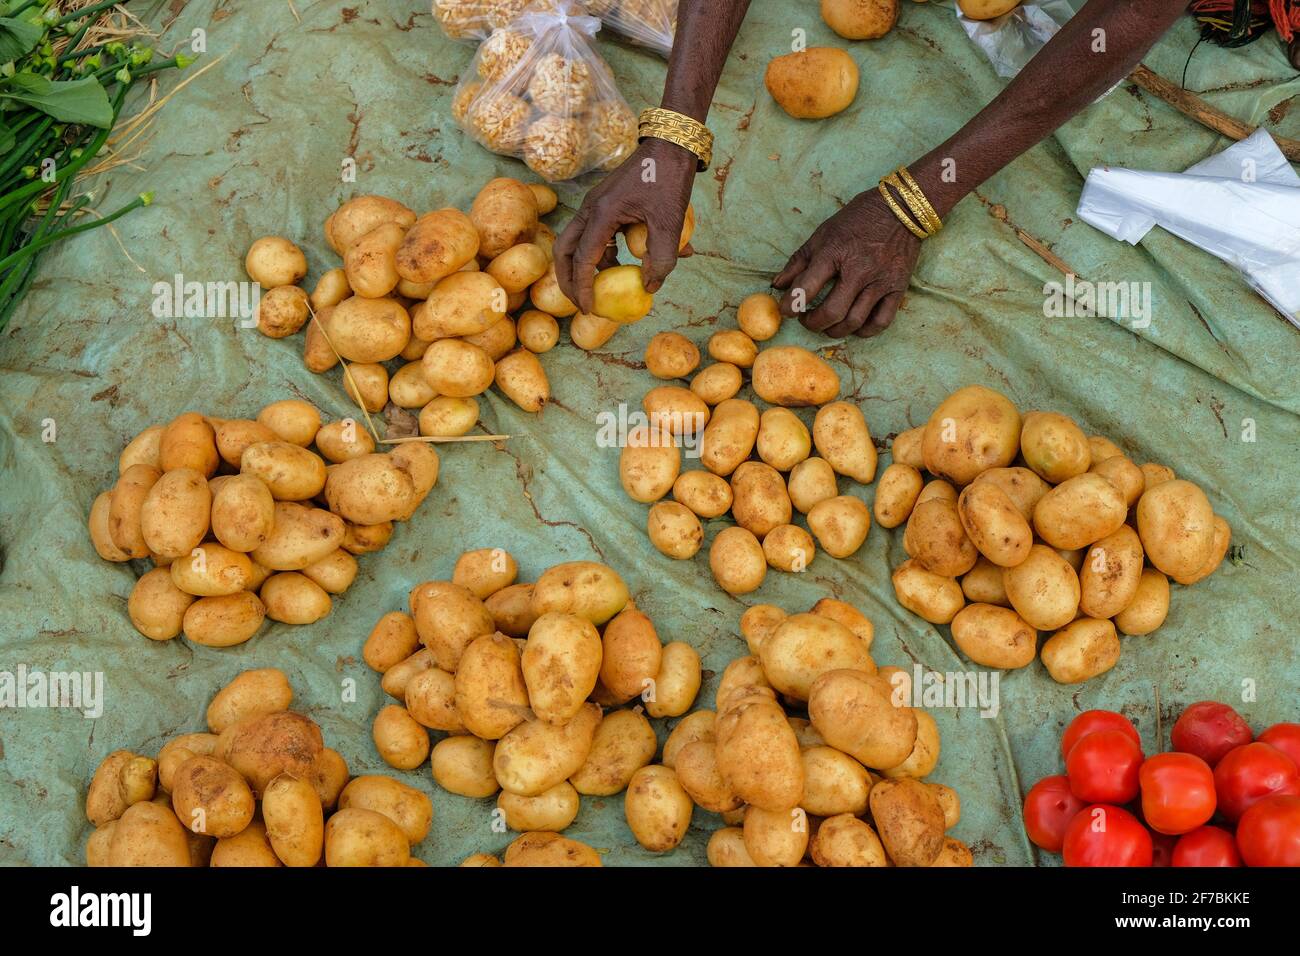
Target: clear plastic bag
(1013, 39)
(649, 23)
(474, 20)
(538, 90)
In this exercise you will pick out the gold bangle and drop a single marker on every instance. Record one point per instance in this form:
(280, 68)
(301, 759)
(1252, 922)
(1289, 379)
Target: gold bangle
(903, 217)
(935, 222)
(679, 129)
(918, 211)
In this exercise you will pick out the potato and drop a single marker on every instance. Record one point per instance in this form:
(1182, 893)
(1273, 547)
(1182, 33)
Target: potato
(704, 493)
(547, 297)
(292, 420)
(561, 662)
(740, 678)
(842, 439)
(157, 606)
(397, 677)
(360, 837)
(811, 482)
(550, 850)
(365, 538)
(994, 636)
(511, 609)
(367, 385)
(834, 783)
(407, 388)
(860, 19)
(1081, 651)
(371, 489)
(671, 355)
(789, 548)
(619, 295)
(485, 571)
(657, 808)
(973, 429)
(993, 524)
(368, 330)
(638, 234)
(407, 807)
(906, 447)
(759, 498)
(759, 316)
(490, 688)
(726, 848)
(275, 261)
(1154, 474)
(1111, 572)
(982, 584)
(519, 266)
(847, 615)
(191, 745)
(1149, 606)
(148, 834)
(1021, 485)
(234, 435)
(551, 810)
(211, 798)
(930, 596)
(290, 472)
(697, 771)
(436, 245)
(624, 742)
(910, 820)
(281, 312)
(448, 617)
(251, 847)
(631, 654)
(844, 840)
(260, 748)
(370, 263)
(464, 303)
(1177, 527)
(538, 332)
(446, 417)
(431, 700)
(758, 754)
(294, 598)
(674, 530)
(175, 513)
(329, 776)
(855, 712)
(522, 379)
(331, 289)
(697, 726)
(783, 440)
(126, 509)
(505, 214)
(813, 83)
(1079, 511)
(729, 437)
(463, 766)
(585, 588)
(224, 621)
(925, 752)
(677, 683)
(360, 215)
(299, 536)
(535, 756)
(317, 354)
(841, 524)
(1218, 551)
(252, 693)
(457, 368)
(805, 646)
(243, 513)
(775, 837)
(986, 9)
(497, 341)
(732, 346)
(400, 740)
(1124, 475)
(143, 449)
(100, 535)
(295, 821)
(675, 410)
(1054, 446)
(737, 561)
(935, 536)
(104, 798)
(1043, 589)
(717, 383)
(896, 494)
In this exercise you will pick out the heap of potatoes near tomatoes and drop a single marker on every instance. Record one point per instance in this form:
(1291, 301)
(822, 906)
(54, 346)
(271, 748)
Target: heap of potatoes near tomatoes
(458, 301)
(761, 494)
(1031, 525)
(227, 511)
(1217, 771)
(258, 788)
(543, 693)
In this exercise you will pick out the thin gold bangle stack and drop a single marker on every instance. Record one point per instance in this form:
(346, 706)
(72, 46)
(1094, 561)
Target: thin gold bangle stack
(679, 129)
(924, 222)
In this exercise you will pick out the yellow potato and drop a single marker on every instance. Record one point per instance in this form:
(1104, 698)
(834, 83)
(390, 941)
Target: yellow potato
(910, 820)
(367, 385)
(360, 215)
(740, 678)
(698, 726)
(674, 530)
(252, 693)
(295, 820)
(360, 837)
(649, 463)
(281, 312)
(448, 417)
(291, 420)
(463, 766)
(1149, 607)
(696, 766)
(547, 297)
(841, 525)
(994, 636)
(811, 482)
(1154, 474)
(849, 616)
(732, 346)
(1054, 446)
(373, 489)
(251, 847)
(717, 383)
(519, 266)
(126, 511)
(224, 621)
(624, 742)
(657, 808)
(843, 440)
(331, 289)
(148, 834)
(550, 850)
(1124, 475)
(511, 609)
(1110, 574)
(759, 316)
(262, 747)
(705, 493)
(457, 368)
(463, 303)
(759, 499)
(758, 753)
(1079, 511)
(789, 375)
(275, 261)
(982, 584)
(431, 700)
(505, 214)
(775, 837)
(370, 263)
(538, 332)
(368, 330)
(1218, 551)
(679, 411)
(804, 646)
(619, 295)
(638, 235)
(906, 448)
(855, 712)
(436, 245)
(490, 687)
(789, 548)
(986, 9)
(973, 429)
(1081, 651)
(290, 472)
(844, 840)
(522, 379)
(448, 617)
(925, 752)
(552, 810)
(834, 783)
(561, 662)
(737, 561)
(485, 571)
(1177, 527)
(896, 494)
(299, 536)
(930, 596)
(142, 449)
(813, 83)
(535, 756)
(243, 513)
(400, 740)
(1043, 589)
(936, 537)
(783, 440)
(585, 588)
(729, 437)
(406, 806)
(589, 331)
(1021, 485)
(157, 606)
(671, 355)
(727, 848)
(676, 684)
(994, 524)
(211, 798)
(498, 340)
(100, 535)
(211, 571)
(293, 598)
(407, 388)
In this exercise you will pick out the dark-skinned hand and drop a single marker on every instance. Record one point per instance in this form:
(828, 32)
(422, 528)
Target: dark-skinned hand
(867, 254)
(652, 186)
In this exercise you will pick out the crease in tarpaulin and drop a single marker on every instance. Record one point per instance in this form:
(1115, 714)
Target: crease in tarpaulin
(1241, 205)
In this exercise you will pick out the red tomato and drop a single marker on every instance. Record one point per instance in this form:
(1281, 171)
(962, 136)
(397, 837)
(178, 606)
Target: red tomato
(1285, 737)
(1269, 832)
(1091, 721)
(1209, 730)
(1103, 767)
(1249, 773)
(1101, 835)
(1049, 807)
(1177, 792)
(1207, 846)
(1162, 849)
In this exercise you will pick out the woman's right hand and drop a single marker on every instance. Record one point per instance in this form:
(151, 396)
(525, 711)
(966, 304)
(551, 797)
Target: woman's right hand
(652, 186)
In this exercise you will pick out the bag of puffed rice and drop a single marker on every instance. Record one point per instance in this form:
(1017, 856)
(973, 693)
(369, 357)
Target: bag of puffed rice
(649, 23)
(539, 91)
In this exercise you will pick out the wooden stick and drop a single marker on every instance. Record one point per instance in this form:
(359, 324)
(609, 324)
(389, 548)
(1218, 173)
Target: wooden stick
(439, 439)
(1191, 105)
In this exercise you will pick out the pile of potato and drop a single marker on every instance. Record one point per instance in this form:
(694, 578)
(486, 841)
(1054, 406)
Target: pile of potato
(259, 788)
(227, 511)
(761, 494)
(450, 302)
(526, 686)
(842, 786)
(1030, 525)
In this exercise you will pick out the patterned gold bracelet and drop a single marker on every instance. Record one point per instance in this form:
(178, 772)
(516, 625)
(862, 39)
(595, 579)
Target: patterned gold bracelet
(903, 217)
(924, 221)
(679, 129)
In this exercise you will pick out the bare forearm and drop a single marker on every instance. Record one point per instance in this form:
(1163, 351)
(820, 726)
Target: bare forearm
(1091, 53)
(706, 30)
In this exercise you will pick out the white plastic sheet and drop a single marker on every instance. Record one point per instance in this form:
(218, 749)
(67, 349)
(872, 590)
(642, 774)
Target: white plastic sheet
(1241, 205)
(1011, 40)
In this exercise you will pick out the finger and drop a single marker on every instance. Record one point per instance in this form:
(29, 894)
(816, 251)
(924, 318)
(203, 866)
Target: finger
(804, 288)
(835, 306)
(882, 316)
(660, 256)
(798, 262)
(564, 249)
(858, 313)
(610, 259)
(592, 247)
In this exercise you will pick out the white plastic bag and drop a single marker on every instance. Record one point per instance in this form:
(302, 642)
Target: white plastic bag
(1011, 40)
(539, 91)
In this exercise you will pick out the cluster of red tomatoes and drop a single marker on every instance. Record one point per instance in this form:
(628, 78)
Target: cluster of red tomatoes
(1221, 797)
